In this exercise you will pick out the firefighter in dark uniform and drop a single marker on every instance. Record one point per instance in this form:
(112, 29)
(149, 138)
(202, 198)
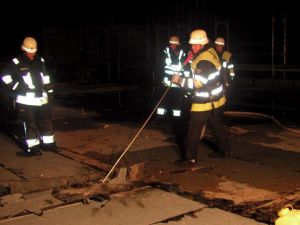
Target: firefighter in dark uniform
(29, 83)
(227, 70)
(173, 59)
(173, 106)
(208, 97)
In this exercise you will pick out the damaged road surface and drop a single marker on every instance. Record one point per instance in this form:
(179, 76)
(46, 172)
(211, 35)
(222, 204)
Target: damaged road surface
(142, 206)
(147, 188)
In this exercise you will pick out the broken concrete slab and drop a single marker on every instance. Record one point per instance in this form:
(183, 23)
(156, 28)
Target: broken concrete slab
(12, 199)
(4, 190)
(121, 177)
(28, 174)
(136, 172)
(212, 216)
(36, 184)
(22, 204)
(7, 176)
(140, 207)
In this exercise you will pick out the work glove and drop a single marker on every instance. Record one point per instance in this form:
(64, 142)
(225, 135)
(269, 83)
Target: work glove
(176, 79)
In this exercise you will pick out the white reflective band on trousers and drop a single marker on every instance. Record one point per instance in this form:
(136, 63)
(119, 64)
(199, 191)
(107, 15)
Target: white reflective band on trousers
(161, 111)
(205, 94)
(48, 139)
(30, 99)
(32, 142)
(176, 112)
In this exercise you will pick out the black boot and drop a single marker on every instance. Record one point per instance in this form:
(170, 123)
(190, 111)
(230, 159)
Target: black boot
(50, 147)
(35, 150)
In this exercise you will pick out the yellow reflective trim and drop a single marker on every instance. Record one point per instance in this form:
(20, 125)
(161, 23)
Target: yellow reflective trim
(226, 56)
(197, 84)
(200, 107)
(209, 55)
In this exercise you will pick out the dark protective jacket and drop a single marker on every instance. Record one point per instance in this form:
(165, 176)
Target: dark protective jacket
(173, 65)
(227, 70)
(28, 80)
(208, 91)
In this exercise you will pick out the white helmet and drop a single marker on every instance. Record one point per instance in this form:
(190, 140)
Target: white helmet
(174, 40)
(198, 37)
(29, 45)
(220, 41)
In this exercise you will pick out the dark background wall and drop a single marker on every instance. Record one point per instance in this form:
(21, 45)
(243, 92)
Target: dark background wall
(108, 42)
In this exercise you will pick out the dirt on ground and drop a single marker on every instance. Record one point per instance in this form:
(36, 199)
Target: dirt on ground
(261, 176)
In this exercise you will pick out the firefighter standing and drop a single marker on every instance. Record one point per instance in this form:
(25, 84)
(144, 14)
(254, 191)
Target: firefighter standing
(173, 106)
(227, 71)
(208, 97)
(173, 58)
(27, 79)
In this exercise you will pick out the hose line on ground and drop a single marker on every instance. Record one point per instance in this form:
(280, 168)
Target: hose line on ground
(261, 115)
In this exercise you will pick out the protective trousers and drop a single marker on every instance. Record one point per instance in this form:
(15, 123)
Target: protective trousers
(213, 120)
(37, 124)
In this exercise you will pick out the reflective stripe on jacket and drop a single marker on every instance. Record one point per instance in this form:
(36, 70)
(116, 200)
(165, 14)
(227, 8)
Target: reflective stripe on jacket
(28, 80)
(173, 65)
(226, 57)
(206, 85)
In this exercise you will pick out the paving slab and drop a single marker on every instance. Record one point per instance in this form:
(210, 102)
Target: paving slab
(6, 177)
(213, 216)
(17, 204)
(141, 207)
(34, 171)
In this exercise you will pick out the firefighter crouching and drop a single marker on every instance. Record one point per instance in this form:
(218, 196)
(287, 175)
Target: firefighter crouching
(27, 79)
(208, 97)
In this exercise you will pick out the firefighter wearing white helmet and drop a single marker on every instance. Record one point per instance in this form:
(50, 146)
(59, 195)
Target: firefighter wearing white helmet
(173, 106)
(208, 97)
(29, 45)
(198, 37)
(173, 59)
(28, 81)
(227, 71)
(174, 40)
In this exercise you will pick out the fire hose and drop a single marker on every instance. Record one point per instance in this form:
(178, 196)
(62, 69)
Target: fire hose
(261, 115)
